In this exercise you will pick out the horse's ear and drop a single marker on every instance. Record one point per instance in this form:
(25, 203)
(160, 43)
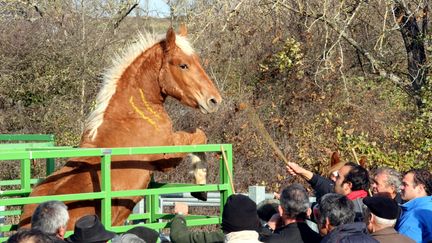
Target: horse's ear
(334, 159)
(363, 162)
(170, 40)
(183, 30)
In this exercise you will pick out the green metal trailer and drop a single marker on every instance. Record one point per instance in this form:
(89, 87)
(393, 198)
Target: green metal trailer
(152, 216)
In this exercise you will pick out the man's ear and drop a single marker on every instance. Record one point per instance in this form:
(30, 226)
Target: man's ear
(327, 224)
(371, 218)
(280, 210)
(61, 232)
(308, 212)
(348, 185)
(421, 188)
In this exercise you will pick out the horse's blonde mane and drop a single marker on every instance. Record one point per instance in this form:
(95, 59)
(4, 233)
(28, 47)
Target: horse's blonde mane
(119, 64)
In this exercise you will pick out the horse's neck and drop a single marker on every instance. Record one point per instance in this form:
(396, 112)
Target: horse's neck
(135, 115)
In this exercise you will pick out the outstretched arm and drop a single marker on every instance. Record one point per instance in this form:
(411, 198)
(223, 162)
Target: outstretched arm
(179, 233)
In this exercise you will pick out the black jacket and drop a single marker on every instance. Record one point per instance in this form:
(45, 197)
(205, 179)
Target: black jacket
(349, 233)
(294, 233)
(321, 185)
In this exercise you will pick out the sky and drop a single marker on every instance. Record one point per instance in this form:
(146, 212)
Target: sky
(157, 8)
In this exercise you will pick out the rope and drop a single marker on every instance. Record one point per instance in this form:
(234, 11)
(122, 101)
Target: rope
(228, 170)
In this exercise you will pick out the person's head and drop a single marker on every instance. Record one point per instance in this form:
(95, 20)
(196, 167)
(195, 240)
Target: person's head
(267, 208)
(89, 229)
(386, 180)
(416, 183)
(380, 212)
(351, 177)
(146, 234)
(30, 236)
(294, 202)
(127, 238)
(333, 210)
(51, 217)
(239, 213)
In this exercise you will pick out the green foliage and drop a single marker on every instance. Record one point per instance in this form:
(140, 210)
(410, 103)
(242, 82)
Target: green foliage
(286, 60)
(411, 145)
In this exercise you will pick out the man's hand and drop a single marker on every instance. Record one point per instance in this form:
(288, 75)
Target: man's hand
(295, 169)
(181, 208)
(275, 221)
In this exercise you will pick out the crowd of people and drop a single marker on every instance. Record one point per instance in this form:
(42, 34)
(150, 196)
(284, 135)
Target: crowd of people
(351, 205)
(48, 225)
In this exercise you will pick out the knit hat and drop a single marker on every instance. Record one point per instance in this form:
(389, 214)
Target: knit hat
(239, 213)
(382, 207)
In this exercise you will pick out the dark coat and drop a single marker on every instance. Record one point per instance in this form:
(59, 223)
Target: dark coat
(349, 233)
(390, 235)
(294, 233)
(179, 233)
(321, 185)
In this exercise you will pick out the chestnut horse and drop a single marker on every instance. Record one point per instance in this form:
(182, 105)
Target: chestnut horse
(129, 112)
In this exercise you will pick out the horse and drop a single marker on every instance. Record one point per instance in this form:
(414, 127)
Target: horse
(129, 112)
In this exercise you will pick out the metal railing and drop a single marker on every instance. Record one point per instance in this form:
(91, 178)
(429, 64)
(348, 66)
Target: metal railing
(152, 215)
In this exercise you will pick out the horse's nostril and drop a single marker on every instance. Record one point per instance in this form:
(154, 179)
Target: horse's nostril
(213, 101)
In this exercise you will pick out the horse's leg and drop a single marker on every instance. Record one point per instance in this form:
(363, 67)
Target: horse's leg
(45, 188)
(198, 160)
(128, 175)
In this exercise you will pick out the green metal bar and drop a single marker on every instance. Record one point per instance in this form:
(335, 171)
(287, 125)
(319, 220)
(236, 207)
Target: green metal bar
(18, 182)
(10, 213)
(27, 137)
(154, 208)
(50, 166)
(26, 145)
(25, 175)
(106, 188)
(162, 225)
(7, 228)
(68, 197)
(224, 177)
(148, 207)
(84, 152)
(139, 216)
(12, 193)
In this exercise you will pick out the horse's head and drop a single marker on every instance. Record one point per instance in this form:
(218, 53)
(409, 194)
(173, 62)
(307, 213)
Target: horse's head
(183, 77)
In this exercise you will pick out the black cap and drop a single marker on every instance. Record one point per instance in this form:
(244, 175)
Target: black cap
(239, 213)
(382, 207)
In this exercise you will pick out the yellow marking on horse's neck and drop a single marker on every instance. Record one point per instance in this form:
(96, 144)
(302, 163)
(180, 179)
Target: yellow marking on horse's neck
(147, 105)
(137, 110)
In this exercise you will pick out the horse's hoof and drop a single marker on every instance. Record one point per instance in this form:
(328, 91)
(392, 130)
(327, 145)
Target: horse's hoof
(200, 195)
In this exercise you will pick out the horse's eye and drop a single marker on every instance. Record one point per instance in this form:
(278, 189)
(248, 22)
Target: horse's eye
(183, 66)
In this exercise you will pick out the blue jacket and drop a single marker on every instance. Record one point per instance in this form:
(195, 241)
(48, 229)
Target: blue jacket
(416, 219)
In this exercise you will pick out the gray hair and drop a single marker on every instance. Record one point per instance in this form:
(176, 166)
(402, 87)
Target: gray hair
(295, 201)
(378, 220)
(338, 209)
(393, 177)
(127, 238)
(50, 216)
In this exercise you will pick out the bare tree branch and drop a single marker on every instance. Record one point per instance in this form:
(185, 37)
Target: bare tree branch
(376, 64)
(123, 15)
